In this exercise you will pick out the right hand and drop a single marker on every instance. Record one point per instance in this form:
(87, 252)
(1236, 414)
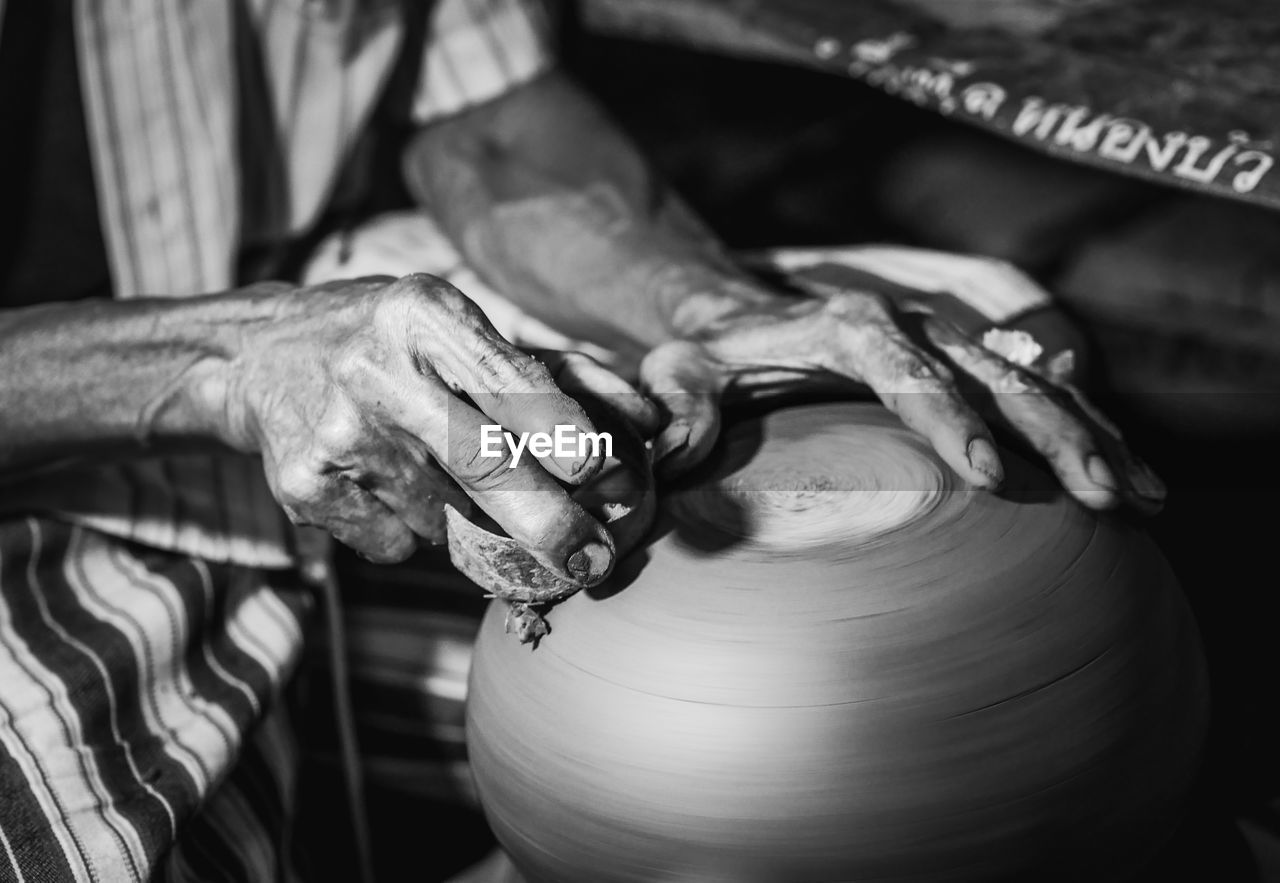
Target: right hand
(366, 399)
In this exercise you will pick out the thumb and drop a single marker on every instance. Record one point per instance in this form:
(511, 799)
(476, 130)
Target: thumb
(686, 383)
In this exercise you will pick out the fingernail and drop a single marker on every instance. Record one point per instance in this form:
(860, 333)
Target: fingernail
(591, 563)
(983, 457)
(1060, 368)
(582, 469)
(672, 439)
(1099, 472)
(1145, 482)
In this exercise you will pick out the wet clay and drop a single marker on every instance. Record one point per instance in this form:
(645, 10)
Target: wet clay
(833, 661)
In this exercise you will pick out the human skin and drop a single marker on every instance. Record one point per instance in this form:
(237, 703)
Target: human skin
(348, 390)
(553, 205)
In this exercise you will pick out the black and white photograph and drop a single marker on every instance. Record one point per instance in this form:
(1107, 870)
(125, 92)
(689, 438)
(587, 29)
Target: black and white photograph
(639, 441)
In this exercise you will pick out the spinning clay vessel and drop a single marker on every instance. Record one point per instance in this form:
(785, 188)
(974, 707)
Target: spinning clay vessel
(834, 661)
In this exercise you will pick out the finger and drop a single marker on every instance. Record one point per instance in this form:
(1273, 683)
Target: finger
(1060, 368)
(413, 486)
(1080, 461)
(1091, 462)
(1091, 411)
(853, 335)
(449, 333)
(1138, 483)
(358, 442)
(921, 391)
(687, 386)
(577, 373)
(353, 515)
(1144, 487)
(528, 503)
(1141, 486)
(359, 520)
(510, 487)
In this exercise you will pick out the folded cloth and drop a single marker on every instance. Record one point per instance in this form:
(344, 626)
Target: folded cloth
(131, 682)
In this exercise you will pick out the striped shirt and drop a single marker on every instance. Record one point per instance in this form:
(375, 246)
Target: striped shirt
(149, 610)
(215, 126)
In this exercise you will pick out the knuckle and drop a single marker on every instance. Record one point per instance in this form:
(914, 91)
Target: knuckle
(300, 486)
(861, 306)
(430, 312)
(906, 364)
(396, 302)
(515, 375)
(886, 353)
(473, 467)
(910, 364)
(434, 293)
(501, 369)
(420, 284)
(413, 295)
(338, 436)
(941, 372)
(354, 365)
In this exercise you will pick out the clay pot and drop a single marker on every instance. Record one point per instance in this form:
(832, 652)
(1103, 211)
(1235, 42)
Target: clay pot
(836, 662)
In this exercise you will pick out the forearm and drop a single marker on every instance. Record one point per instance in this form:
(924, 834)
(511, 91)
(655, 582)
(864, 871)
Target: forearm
(96, 378)
(557, 209)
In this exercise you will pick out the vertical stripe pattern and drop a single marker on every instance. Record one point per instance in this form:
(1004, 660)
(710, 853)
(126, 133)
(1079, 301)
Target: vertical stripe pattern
(477, 50)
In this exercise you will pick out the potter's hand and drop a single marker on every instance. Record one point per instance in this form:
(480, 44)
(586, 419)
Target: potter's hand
(366, 401)
(924, 369)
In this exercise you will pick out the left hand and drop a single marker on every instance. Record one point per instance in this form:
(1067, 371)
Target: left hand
(922, 367)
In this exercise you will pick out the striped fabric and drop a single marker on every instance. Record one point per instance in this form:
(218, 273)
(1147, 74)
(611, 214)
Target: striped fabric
(128, 680)
(409, 651)
(149, 610)
(242, 831)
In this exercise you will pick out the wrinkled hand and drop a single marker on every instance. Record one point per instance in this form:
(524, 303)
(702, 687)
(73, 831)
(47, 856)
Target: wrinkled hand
(366, 400)
(925, 369)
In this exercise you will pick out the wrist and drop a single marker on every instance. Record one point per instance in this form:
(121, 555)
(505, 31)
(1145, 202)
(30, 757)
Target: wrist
(222, 338)
(696, 301)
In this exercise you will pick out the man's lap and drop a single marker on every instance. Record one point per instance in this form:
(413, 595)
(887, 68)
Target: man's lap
(129, 682)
